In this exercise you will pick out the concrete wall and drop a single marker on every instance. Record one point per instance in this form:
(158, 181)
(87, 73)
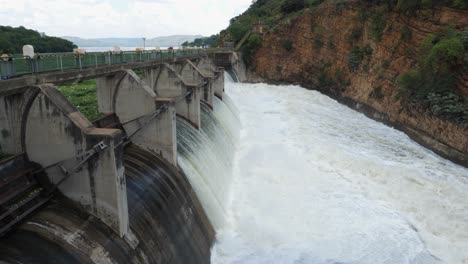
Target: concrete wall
(54, 131)
(191, 73)
(11, 115)
(168, 83)
(217, 73)
(39, 121)
(136, 104)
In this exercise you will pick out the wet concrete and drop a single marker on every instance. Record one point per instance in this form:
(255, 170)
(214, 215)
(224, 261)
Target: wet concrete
(166, 222)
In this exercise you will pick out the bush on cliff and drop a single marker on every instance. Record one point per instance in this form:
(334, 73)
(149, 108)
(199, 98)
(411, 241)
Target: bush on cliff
(287, 45)
(377, 26)
(250, 48)
(433, 84)
(411, 6)
(359, 56)
(290, 6)
(238, 30)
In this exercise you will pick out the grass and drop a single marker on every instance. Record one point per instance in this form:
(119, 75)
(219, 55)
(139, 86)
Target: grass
(83, 96)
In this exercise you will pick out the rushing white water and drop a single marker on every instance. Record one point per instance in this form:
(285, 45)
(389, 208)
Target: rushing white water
(316, 182)
(206, 156)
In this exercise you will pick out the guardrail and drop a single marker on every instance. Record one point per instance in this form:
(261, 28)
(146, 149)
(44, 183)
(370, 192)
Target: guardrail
(64, 61)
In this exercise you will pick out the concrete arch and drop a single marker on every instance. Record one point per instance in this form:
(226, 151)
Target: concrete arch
(14, 111)
(53, 131)
(207, 66)
(168, 83)
(134, 102)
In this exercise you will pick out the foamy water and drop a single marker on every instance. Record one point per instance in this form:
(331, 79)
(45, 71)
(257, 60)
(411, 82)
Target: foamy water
(316, 182)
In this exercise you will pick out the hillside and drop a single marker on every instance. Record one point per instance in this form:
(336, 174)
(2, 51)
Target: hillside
(406, 66)
(166, 41)
(13, 39)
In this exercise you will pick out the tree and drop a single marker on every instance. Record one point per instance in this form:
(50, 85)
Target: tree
(12, 40)
(290, 6)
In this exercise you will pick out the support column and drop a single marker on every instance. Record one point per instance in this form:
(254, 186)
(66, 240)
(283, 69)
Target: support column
(192, 73)
(170, 84)
(207, 67)
(136, 105)
(55, 131)
(219, 82)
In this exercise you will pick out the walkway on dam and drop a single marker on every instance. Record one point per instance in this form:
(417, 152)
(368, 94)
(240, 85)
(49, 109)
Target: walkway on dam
(58, 68)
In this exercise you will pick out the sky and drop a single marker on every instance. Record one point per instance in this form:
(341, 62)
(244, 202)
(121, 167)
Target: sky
(121, 18)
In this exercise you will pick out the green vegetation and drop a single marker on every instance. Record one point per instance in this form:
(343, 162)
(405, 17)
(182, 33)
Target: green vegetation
(433, 85)
(279, 68)
(253, 43)
(331, 44)
(340, 80)
(83, 96)
(359, 56)
(318, 42)
(312, 3)
(406, 34)
(377, 26)
(268, 12)
(356, 34)
(274, 12)
(410, 7)
(291, 6)
(385, 64)
(12, 41)
(377, 93)
(201, 42)
(287, 45)
(363, 15)
(325, 81)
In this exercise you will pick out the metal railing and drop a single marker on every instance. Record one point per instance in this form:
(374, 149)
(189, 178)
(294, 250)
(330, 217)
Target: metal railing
(64, 61)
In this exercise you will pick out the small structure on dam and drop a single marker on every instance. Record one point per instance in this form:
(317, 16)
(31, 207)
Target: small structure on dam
(122, 197)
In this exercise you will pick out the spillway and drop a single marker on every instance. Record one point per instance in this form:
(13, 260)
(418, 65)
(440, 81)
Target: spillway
(167, 222)
(206, 156)
(316, 182)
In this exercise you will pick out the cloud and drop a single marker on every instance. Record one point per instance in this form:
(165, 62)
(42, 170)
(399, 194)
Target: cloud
(121, 18)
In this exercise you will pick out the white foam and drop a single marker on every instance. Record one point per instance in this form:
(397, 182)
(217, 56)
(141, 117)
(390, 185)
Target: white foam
(316, 182)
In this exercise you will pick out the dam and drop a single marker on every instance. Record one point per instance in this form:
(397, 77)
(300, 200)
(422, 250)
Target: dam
(142, 184)
(204, 169)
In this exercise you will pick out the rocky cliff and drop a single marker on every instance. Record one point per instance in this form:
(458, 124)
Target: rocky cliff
(316, 49)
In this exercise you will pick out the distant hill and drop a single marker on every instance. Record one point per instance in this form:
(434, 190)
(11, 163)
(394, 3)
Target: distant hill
(12, 40)
(166, 41)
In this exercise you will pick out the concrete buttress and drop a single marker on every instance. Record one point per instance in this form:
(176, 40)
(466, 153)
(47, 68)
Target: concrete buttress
(206, 66)
(191, 73)
(148, 118)
(55, 132)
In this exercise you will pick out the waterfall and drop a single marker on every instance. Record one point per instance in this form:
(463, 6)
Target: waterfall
(231, 76)
(206, 155)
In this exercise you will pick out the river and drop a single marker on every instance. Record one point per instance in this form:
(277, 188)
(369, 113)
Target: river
(316, 182)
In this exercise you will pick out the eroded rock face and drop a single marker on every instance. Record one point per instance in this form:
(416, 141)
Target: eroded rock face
(322, 43)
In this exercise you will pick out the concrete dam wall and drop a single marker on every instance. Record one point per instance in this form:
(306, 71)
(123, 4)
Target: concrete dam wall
(142, 185)
(166, 220)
